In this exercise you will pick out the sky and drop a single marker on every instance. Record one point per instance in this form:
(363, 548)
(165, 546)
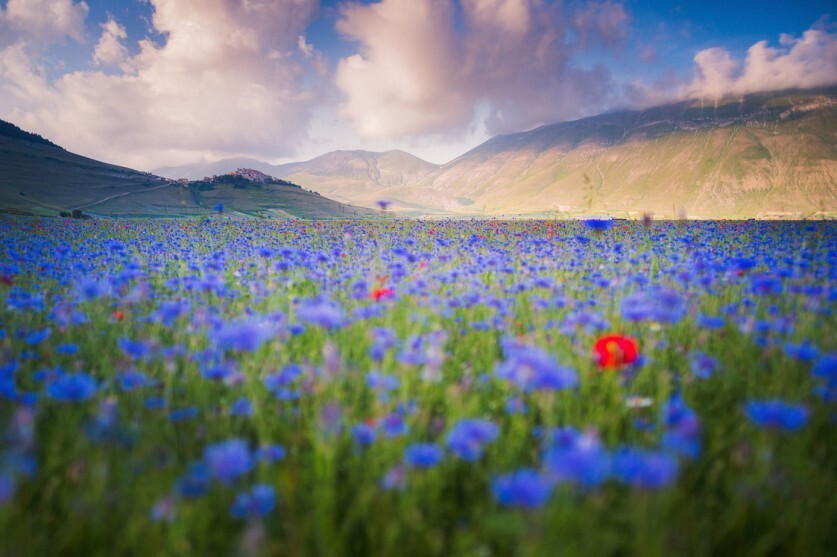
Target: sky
(151, 83)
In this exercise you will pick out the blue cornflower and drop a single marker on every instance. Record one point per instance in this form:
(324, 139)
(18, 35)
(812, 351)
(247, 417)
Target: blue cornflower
(524, 488)
(130, 380)
(531, 368)
(598, 225)
(393, 425)
(826, 367)
(228, 460)
(711, 321)
(644, 469)
(324, 313)
(72, 387)
(467, 438)
(182, 414)
(7, 487)
(246, 335)
(364, 434)
(285, 377)
(803, 351)
(395, 478)
(683, 435)
(155, 402)
(36, 337)
(381, 381)
(241, 407)
(703, 365)
(257, 503)
(776, 414)
(270, 453)
(136, 349)
(575, 457)
(91, 289)
(423, 455)
(766, 285)
(195, 482)
(68, 349)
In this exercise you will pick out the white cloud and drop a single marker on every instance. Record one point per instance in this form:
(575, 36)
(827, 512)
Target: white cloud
(110, 49)
(44, 20)
(415, 73)
(227, 81)
(807, 61)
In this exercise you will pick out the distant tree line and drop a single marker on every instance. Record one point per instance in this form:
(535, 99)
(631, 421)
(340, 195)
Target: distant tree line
(10, 130)
(75, 214)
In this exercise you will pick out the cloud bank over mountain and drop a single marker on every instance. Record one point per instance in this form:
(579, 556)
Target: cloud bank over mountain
(199, 80)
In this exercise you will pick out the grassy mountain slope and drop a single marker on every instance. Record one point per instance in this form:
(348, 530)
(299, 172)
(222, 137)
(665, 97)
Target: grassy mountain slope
(39, 177)
(744, 157)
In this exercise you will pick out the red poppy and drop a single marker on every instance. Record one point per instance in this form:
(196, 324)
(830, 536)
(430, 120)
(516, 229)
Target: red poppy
(118, 315)
(615, 351)
(381, 292)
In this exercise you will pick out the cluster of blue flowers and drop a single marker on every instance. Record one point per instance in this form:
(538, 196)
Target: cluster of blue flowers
(246, 323)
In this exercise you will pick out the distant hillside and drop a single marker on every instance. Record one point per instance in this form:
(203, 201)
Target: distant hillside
(38, 177)
(760, 154)
(199, 171)
(359, 177)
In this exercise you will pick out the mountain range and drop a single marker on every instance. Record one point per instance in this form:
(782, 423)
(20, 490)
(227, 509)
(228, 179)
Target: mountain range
(759, 155)
(764, 154)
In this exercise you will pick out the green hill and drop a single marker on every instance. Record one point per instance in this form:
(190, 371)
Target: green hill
(39, 177)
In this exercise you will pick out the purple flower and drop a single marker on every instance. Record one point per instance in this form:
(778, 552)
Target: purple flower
(776, 414)
(423, 455)
(524, 488)
(72, 387)
(228, 460)
(256, 503)
(644, 469)
(467, 438)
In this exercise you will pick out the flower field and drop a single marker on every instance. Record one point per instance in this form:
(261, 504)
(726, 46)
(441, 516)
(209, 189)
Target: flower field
(395, 387)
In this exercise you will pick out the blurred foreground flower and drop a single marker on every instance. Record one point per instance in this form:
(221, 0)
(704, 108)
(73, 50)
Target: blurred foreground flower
(776, 414)
(524, 488)
(615, 351)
